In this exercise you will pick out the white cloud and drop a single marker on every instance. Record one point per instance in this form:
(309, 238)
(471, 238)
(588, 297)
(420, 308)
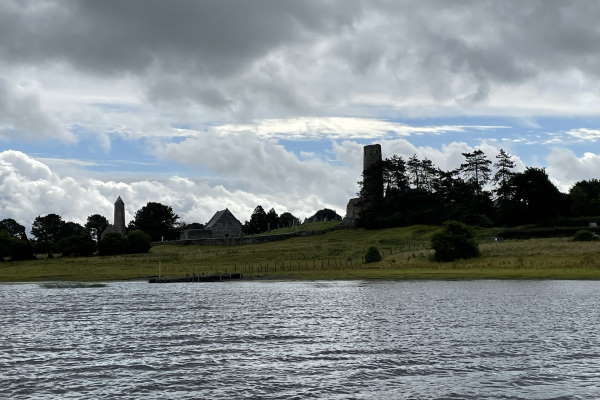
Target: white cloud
(591, 135)
(565, 168)
(339, 128)
(29, 188)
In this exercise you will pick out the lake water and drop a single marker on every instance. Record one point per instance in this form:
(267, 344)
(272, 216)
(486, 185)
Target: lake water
(296, 340)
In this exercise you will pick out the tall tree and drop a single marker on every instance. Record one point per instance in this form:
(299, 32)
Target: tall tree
(157, 220)
(258, 221)
(47, 231)
(413, 167)
(476, 169)
(272, 219)
(13, 228)
(96, 224)
(503, 177)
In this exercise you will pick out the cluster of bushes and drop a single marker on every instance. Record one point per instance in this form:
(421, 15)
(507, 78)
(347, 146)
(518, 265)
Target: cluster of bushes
(134, 242)
(456, 241)
(14, 248)
(585, 235)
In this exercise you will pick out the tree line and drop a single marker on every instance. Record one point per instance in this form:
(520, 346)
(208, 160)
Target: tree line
(51, 234)
(480, 191)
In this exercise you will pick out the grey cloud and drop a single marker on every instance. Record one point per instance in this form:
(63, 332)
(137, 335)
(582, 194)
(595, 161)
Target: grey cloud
(22, 115)
(237, 60)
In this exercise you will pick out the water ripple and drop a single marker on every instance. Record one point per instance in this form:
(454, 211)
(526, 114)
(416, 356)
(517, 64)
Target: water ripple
(301, 340)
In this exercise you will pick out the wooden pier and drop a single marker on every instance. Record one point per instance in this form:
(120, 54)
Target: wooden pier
(197, 278)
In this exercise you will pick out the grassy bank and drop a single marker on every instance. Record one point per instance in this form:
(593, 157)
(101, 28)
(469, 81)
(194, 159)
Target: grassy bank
(334, 255)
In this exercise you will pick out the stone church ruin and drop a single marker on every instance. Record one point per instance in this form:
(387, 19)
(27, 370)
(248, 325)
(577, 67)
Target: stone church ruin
(372, 191)
(222, 225)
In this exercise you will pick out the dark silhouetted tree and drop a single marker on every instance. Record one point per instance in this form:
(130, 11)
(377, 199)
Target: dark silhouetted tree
(288, 219)
(257, 223)
(13, 228)
(585, 198)
(47, 231)
(96, 224)
(476, 169)
(272, 219)
(157, 220)
(536, 198)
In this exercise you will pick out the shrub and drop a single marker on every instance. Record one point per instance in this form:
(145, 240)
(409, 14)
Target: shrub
(16, 249)
(372, 255)
(21, 250)
(584, 236)
(112, 244)
(80, 245)
(454, 242)
(138, 242)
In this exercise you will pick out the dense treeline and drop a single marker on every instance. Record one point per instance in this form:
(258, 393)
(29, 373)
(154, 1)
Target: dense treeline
(261, 221)
(52, 235)
(480, 192)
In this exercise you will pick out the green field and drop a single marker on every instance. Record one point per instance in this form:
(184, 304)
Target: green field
(333, 255)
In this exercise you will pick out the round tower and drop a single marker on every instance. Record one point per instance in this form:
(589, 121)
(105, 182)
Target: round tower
(119, 218)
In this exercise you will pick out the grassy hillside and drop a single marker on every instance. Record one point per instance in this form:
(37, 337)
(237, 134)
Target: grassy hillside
(334, 255)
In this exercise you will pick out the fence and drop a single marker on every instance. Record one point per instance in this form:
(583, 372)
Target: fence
(309, 263)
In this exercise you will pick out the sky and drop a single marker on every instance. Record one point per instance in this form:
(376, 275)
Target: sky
(203, 105)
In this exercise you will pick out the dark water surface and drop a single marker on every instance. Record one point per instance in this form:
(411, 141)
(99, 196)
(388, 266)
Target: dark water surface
(293, 340)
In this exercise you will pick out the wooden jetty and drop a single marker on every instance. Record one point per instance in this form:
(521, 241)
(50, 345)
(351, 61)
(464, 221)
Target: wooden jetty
(197, 278)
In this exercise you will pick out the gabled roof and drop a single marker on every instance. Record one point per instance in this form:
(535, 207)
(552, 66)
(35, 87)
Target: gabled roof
(219, 215)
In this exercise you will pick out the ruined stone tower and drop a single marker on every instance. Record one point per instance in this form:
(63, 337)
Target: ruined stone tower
(372, 192)
(371, 156)
(119, 218)
(372, 175)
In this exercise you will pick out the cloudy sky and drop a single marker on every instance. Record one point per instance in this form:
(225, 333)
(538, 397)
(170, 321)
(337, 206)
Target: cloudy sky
(203, 105)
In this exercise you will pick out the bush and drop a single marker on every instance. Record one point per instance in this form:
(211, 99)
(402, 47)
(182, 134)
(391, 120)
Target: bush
(138, 242)
(16, 249)
(372, 255)
(584, 236)
(456, 241)
(112, 244)
(21, 250)
(77, 246)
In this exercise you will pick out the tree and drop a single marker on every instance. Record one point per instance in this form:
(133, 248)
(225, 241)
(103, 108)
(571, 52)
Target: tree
(585, 198)
(96, 224)
(325, 214)
(13, 228)
(272, 219)
(503, 176)
(456, 241)
(157, 220)
(536, 198)
(258, 221)
(47, 231)
(112, 244)
(413, 167)
(70, 229)
(138, 242)
(77, 245)
(476, 169)
(287, 219)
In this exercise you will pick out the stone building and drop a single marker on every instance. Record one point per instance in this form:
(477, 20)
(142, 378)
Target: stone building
(118, 225)
(222, 225)
(372, 185)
